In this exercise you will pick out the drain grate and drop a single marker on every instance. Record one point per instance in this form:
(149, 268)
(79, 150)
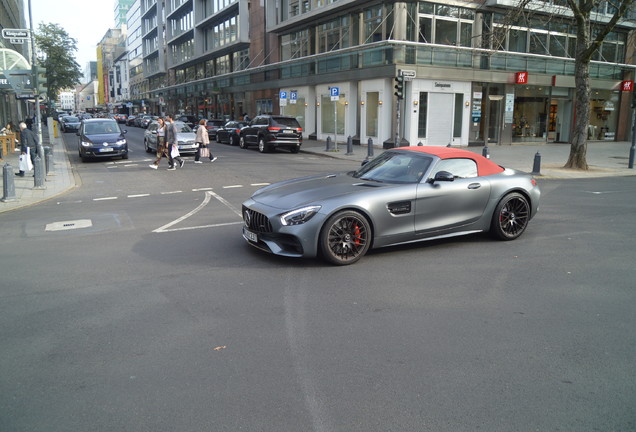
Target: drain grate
(69, 225)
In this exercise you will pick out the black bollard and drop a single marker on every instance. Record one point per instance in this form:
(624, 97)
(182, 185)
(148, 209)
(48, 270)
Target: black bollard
(328, 144)
(419, 144)
(370, 148)
(349, 146)
(8, 184)
(536, 167)
(485, 152)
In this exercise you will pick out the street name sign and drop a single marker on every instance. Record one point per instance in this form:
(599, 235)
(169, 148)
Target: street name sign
(15, 33)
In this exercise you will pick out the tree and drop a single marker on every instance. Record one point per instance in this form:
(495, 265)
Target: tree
(589, 38)
(55, 51)
(586, 45)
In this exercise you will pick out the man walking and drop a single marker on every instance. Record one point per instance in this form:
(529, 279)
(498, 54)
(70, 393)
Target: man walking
(171, 140)
(28, 144)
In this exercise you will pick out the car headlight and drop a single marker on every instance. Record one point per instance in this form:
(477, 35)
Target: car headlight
(300, 216)
(121, 142)
(86, 144)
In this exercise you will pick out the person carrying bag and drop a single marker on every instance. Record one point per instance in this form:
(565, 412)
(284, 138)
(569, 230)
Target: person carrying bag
(203, 141)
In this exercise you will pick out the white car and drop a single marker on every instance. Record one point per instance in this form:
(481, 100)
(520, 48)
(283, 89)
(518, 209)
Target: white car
(185, 137)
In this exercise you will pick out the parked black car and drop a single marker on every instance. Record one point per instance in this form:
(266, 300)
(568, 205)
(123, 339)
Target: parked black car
(230, 132)
(213, 126)
(272, 131)
(190, 120)
(101, 137)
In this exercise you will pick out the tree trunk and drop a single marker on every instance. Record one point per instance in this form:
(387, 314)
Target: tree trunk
(578, 148)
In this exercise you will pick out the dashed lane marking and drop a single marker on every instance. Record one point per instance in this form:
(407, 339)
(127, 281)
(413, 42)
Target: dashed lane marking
(138, 195)
(104, 199)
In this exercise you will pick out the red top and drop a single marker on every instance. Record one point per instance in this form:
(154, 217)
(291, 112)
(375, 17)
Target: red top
(484, 166)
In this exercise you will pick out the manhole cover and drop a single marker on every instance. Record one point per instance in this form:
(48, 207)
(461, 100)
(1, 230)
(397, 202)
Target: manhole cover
(69, 225)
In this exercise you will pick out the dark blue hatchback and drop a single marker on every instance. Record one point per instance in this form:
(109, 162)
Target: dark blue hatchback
(100, 138)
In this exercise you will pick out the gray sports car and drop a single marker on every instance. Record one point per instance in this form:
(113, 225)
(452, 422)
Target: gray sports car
(404, 195)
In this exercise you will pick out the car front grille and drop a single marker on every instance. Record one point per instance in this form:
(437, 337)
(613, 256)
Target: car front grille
(256, 221)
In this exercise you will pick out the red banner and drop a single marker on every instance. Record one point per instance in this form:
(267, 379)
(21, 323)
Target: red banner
(521, 78)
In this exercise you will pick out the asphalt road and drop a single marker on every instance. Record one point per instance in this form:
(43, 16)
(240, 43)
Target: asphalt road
(133, 304)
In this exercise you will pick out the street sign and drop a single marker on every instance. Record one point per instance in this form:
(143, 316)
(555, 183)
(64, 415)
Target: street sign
(17, 41)
(15, 33)
(293, 97)
(408, 75)
(335, 93)
(283, 98)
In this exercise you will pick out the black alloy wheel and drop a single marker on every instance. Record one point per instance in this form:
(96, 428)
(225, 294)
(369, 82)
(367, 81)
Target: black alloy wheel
(345, 238)
(511, 217)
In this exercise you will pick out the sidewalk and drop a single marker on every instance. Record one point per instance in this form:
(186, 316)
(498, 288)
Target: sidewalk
(606, 159)
(59, 180)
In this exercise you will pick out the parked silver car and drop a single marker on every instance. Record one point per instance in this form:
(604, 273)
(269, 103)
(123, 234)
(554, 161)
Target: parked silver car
(185, 137)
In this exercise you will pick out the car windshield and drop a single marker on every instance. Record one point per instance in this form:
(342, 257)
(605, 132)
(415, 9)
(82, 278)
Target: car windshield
(182, 127)
(71, 119)
(105, 127)
(394, 167)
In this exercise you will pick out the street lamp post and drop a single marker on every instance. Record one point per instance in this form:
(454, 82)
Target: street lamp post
(36, 84)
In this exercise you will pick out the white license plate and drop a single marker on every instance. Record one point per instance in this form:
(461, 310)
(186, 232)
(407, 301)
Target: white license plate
(106, 149)
(251, 236)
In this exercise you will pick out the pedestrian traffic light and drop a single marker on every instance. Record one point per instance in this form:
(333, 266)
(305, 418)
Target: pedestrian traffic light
(399, 87)
(42, 81)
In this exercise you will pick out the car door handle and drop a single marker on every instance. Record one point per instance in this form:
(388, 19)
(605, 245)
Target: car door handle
(474, 186)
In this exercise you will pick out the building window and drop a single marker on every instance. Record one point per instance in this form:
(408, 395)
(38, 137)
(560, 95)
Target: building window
(334, 35)
(445, 25)
(295, 45)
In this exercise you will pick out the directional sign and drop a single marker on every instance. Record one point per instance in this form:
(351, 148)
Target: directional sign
(408, 74)
(15, 33)
(335, 93)
(293, 97)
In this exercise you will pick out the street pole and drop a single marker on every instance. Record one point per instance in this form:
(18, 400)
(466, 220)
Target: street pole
(38, 123)
(632, 149)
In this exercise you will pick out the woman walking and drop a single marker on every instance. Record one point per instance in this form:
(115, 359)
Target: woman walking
(203, 139)
(162, 150)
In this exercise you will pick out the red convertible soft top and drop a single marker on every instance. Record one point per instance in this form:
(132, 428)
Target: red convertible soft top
(484, 166)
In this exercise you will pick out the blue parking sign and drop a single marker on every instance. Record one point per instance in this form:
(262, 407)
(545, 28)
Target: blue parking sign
(335, 93)
(283, 94)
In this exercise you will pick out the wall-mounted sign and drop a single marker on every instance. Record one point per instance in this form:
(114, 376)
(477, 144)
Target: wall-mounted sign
(521, 78)
(627, 86)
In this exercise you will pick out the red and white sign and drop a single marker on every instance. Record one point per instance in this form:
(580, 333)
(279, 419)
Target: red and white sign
(627, 86)
(521, 78)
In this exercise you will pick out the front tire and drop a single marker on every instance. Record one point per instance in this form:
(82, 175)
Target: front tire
(511, 217)
(242, 143)
(148, 149)
(345, 238)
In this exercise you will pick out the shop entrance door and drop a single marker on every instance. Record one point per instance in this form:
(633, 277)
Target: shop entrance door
(441, 119)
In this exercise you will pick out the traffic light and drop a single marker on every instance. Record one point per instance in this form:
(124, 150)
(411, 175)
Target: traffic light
(399, 87)
(41, 74)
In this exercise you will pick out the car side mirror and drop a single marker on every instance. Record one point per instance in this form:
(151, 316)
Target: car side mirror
(124, 131)
(364, 162)
(443, 176)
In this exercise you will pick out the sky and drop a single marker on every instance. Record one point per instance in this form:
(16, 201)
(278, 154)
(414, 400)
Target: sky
(86, 21)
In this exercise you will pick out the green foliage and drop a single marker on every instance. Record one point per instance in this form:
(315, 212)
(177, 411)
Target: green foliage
(55, 52)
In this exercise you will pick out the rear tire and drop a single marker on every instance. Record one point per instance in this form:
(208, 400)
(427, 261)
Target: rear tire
(511, 217)
(262, 147)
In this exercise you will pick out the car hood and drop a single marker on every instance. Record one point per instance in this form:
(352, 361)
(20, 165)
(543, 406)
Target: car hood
(311, 190)
(186, 136)
(101, 138)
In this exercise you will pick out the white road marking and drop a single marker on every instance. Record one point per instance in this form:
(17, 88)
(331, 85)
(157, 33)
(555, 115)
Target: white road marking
(232, 186)
(138, 195)
(104, 199)
(202, 189)
(260, 184)
(171, 192)
(206, 201)
(69, 225)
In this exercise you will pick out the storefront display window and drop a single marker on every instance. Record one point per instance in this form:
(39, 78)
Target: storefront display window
(372, 108)
(603, 115)
(530, 113)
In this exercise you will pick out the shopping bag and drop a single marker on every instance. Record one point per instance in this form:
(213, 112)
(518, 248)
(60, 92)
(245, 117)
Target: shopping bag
(204, 152)
(174, 152)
